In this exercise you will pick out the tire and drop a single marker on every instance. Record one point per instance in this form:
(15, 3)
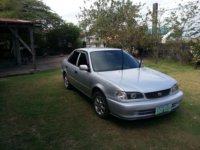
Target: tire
(100, 105)
(66, 81)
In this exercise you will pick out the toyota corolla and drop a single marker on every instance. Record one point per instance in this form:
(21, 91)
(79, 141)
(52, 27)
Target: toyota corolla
(119, 85)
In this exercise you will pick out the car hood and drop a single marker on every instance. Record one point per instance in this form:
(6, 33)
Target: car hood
(138, 79)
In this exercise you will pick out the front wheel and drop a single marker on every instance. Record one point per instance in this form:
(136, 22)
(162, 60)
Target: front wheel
(100, 105)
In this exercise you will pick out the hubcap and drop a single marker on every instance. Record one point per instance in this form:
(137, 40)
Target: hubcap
(66, 81)
(99, 105)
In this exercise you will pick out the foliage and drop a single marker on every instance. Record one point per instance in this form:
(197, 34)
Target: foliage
(54, 34)
(34, 10)
(184, 21)
(182, 24)
(196, 52)
(63, 37)
(173, 50)
(116, 22)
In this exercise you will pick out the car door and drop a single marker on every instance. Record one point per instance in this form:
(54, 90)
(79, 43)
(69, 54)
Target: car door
(72, 68)
(84, 77)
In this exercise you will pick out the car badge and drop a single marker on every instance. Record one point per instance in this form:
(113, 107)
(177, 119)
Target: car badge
(159, 94)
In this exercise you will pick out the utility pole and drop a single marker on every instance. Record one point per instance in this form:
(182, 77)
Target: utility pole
(155, 32)
(155, 19)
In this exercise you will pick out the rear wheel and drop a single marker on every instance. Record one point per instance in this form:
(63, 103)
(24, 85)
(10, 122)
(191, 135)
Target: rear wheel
(66, 81)
(100, 105)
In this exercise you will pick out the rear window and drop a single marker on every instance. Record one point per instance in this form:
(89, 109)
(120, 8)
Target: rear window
(73, 58)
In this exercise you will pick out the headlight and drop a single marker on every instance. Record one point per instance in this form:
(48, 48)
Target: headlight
(121, 95)
(174, 89)
(129, 95)
(134, 95)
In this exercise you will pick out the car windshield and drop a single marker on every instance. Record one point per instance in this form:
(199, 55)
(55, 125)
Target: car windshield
(112, 60)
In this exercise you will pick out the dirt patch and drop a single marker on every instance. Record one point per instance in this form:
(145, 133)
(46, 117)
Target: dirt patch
(42, 63)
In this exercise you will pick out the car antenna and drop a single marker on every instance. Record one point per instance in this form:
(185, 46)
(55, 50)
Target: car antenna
(122, 59)
(141, 59)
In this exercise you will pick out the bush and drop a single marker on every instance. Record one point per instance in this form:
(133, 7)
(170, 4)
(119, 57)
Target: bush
(196, 52)
(63, 38)
(173, 50)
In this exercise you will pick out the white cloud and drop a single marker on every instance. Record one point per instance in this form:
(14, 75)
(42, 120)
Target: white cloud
(65, 8)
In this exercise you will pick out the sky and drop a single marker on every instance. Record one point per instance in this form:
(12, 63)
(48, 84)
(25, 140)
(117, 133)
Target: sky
(69, 9)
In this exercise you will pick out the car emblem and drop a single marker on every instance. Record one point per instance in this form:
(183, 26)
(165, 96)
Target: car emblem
(159, 94)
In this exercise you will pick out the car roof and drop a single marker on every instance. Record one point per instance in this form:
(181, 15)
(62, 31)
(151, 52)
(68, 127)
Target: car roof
(97, 49)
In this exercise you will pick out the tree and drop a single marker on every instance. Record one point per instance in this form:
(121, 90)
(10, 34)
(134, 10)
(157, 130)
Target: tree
(116, 22)
(63, 37)
(185, 20)
(184, 24)
(34, 10)
(54, 33)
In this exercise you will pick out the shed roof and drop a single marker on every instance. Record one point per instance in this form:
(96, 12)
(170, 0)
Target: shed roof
(11, 22)
(18, 21)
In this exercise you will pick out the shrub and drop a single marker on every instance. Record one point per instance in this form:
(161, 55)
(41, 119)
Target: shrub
(196, 52)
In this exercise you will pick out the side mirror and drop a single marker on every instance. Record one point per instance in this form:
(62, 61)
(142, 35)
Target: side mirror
(83, 67)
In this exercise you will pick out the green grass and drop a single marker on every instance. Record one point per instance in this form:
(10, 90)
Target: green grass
(36, 112)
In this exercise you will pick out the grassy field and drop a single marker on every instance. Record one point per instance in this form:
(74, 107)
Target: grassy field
(36, 112)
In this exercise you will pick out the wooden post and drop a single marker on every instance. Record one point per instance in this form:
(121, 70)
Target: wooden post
(17, 48)
(20, 40)
(155, 19)
(32, 47)
(14, 47)
(154, 31)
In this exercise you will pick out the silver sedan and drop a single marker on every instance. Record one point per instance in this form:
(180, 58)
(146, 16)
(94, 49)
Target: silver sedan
(119, 85)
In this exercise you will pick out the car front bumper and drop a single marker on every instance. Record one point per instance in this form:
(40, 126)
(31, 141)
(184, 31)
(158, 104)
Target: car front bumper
(134, 110)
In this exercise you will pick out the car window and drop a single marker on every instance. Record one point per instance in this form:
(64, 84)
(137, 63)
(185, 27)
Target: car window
(73, 58)
(82, 59)
(112, 60)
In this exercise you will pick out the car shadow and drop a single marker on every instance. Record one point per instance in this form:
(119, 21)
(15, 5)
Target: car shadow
(87, 99)
(131, 124)
(142, 123)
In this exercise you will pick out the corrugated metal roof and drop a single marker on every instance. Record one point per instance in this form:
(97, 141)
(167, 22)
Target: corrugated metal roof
(9, 20)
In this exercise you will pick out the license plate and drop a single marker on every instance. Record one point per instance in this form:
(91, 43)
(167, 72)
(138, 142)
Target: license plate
(163, 109)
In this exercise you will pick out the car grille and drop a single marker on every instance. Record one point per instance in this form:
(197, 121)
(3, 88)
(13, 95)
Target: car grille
(157, 94)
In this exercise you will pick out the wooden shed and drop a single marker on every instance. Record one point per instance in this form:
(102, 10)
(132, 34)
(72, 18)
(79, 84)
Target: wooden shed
(13, 27)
